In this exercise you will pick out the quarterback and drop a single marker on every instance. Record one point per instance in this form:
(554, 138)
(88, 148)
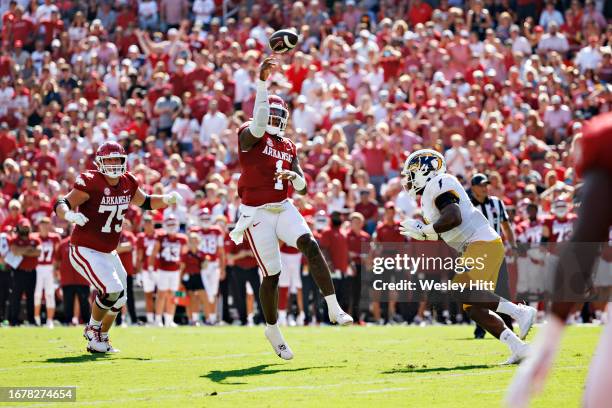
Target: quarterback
(449, 214)
(270, 171)
(97, 205)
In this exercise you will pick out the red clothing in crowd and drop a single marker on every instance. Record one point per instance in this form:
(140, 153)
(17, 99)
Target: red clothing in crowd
(335, 242)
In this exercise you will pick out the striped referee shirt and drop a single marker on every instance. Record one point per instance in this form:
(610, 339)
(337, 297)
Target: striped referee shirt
(494, 210)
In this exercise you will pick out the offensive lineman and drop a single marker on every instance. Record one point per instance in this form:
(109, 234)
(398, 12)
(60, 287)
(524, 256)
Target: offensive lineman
(97, 205)
(449, 213)
(269, 164)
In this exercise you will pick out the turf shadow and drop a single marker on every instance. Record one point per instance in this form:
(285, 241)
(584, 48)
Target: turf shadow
(424, 369)
(219, 376)
(83, 358)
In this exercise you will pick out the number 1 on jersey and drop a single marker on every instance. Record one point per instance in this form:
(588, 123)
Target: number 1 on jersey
(279, 183)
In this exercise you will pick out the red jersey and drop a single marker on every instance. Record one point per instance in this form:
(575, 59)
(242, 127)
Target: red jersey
(36, 214)
(127, 258)
(336, 244)
(193, 262)
(247, 262)
(211, 241)
(560, 228)
(594, 149)
(170, 250)
(355, 242)
(28, 263)
(48, 248)
(146, 244)
(531, 231)
(389, 233)
(105, 209)
(257, 185)
(68, 275)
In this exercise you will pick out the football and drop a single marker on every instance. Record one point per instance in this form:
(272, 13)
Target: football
(283, 40)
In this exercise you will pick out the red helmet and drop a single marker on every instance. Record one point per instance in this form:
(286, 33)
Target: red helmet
(279, 115)
(111, 151)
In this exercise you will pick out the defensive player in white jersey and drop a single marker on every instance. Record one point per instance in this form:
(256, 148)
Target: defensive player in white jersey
(450, 215)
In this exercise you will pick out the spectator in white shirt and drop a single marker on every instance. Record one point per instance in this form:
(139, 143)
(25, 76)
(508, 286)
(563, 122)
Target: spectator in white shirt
(305, 117)
(550, 14)
(553, 41)
(183, 189)
(6, 95)
(590, 56)
(556, 118)
(148, 14)
(43, 12)
(364, 44)
(213, 123)
(203, 10)
(519, 42)
(457, 157)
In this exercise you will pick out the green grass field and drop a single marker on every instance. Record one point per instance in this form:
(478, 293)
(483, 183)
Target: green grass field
(235, 367)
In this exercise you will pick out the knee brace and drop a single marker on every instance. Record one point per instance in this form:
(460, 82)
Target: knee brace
(120, 301)
(109, 300)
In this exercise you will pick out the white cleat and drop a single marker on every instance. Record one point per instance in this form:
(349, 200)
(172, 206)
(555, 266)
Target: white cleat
(50, 324)
(90, 332)
(341, 318)
(170, 324)
(518, 355)
(526, 320)
(279, 345)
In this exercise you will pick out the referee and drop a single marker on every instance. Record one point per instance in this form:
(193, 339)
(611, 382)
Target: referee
(494, 210)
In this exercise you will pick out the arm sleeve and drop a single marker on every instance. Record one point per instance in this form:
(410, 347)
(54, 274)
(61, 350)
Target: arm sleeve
(261, 110)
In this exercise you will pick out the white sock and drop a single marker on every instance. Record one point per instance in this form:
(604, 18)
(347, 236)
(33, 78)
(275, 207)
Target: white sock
(93, 322)
(168, 318)
(37, 320)
(75, 320)
(506, 307)
(282, 315)
(195, 317)
(332, 302)
(150, 317)
(104, 336)
(510, 339)
(158, 318)
(212, 318)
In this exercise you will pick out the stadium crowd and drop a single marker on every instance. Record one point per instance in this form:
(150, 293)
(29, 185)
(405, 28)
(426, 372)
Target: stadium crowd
(502, 88)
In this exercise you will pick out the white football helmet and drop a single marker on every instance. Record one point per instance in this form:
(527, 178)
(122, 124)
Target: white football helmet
(560, 208)
(205, 218)
(171, 224)
(420, 167)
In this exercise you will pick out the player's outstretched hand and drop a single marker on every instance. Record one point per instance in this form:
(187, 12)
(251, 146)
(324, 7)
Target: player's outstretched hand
(413, 229)
(76, 218)
(172, 198)
(266, 67)
(285, 175)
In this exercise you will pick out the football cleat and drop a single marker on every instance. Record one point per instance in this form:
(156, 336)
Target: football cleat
(91, 332)
(279, 345)
(340, 317)
(518, 355)
(526, 319)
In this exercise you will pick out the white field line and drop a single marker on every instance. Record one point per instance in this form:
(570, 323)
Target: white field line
(301, 387)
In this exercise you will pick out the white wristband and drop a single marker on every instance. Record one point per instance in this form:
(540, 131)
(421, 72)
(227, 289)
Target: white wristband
(298, 182)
